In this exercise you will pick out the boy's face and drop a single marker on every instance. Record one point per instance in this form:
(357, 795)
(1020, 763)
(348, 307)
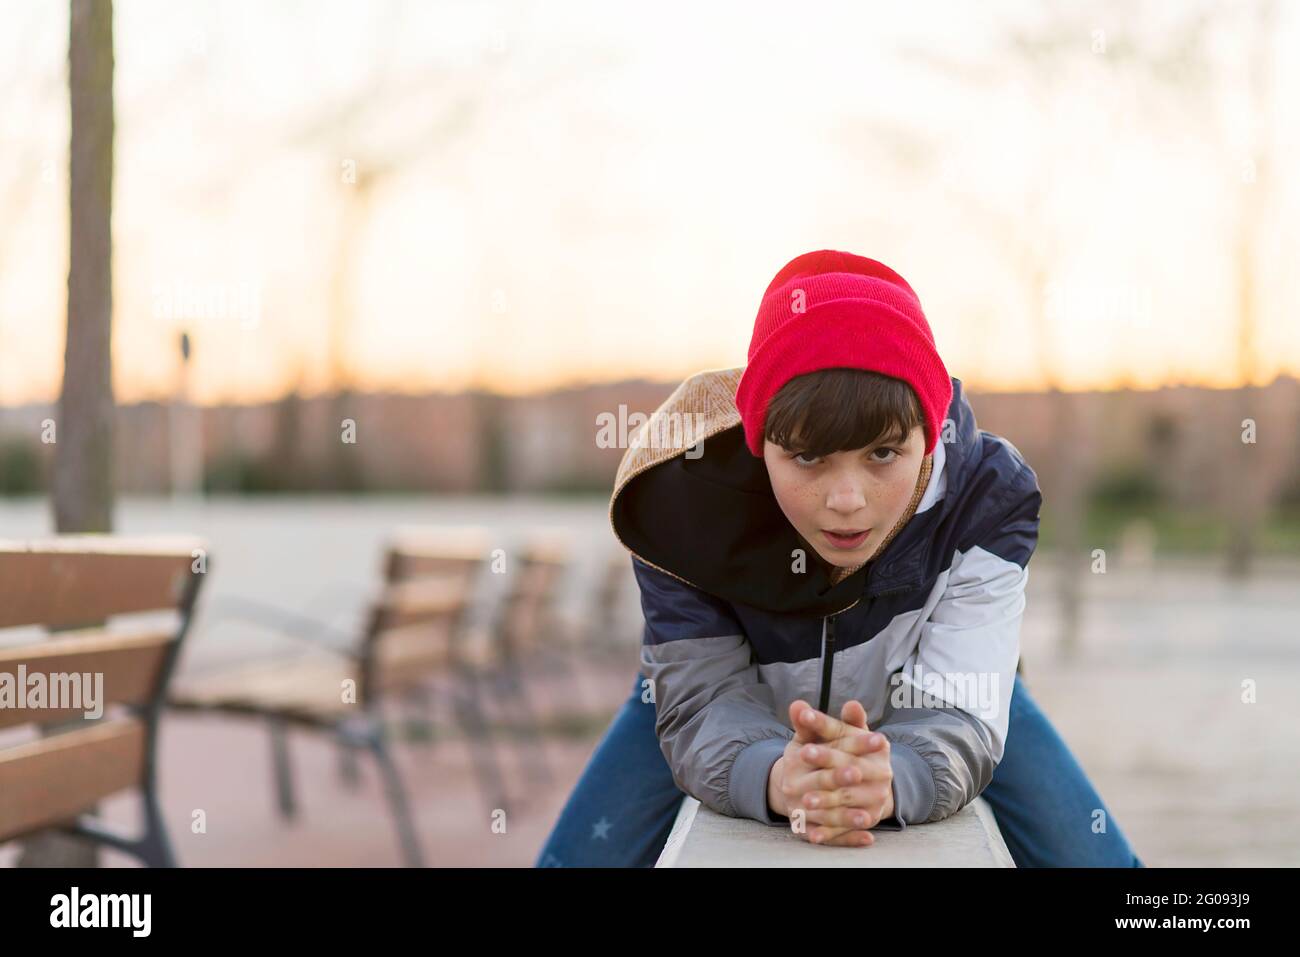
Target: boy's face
(864, 490)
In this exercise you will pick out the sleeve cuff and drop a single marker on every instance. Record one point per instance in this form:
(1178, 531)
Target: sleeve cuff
(913, 788)
(748, 785)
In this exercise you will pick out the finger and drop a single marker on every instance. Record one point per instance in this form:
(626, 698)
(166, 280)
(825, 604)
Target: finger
(802, 732)
(839, 837)
(854, 714)
(855, 818)
(859, 770)
(824, 779)
(825, 756)
(853, 839)
(822, 767)
(819, 724)
(864, 796)
(862, 743)
(807, 787)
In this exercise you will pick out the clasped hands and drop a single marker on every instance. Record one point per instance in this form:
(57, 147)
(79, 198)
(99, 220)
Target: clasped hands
(834, 777)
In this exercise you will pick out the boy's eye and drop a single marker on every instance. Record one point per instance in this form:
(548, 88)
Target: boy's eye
(803, 458)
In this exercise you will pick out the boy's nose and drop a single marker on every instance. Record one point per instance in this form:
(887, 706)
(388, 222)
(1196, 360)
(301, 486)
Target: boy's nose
(846, 500)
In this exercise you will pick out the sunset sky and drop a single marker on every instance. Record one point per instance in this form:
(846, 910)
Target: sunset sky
(556, 193)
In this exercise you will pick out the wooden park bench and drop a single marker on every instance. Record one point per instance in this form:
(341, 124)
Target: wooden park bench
(533, 640)
(701, 837)
(426, 638)
(411, 638)
(72, 589)
(522, 661)
(524, 643)
(520, 642)
(609, 635)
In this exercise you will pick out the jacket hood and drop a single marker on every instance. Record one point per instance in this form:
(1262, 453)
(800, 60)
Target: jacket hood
(691, 500)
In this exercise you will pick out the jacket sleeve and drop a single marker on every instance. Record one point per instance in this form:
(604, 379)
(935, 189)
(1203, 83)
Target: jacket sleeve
(947, 709)
(716, 721)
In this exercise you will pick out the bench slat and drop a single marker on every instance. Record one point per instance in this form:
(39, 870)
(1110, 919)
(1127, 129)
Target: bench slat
(81, 580)
(311, 686)
(418, 553)
(420, 600)
(404, 656)
(58, 777)
(130, 663)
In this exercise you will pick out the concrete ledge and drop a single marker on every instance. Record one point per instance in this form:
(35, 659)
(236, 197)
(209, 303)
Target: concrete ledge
(702, 837)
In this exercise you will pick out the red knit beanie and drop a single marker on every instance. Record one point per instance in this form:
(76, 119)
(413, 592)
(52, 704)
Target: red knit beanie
(835, 310)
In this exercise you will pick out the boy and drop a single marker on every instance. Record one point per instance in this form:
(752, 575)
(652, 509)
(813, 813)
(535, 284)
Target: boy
(833, 525)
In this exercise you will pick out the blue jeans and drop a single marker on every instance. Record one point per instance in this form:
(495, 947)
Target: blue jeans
(623, 807)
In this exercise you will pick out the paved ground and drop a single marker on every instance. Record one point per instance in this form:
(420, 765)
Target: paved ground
(1152, 706)
(222, 767)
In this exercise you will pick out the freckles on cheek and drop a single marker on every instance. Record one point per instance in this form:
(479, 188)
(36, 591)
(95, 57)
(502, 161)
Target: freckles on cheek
(802, 492)
(899, 494)
(797, 497)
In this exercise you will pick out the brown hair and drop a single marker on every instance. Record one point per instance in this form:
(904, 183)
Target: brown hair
(836, 410)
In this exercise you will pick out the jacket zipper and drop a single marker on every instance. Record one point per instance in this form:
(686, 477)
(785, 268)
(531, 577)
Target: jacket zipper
(828, 662)
(828, 650)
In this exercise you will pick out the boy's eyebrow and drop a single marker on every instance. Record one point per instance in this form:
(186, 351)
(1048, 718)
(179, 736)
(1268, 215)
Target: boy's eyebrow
(894, 438)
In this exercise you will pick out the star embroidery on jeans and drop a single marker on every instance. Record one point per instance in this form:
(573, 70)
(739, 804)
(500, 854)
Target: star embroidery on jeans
(601, 830)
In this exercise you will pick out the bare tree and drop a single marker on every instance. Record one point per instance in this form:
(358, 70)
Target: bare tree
(1172, 76)
(1176, 77)
(1248, 496)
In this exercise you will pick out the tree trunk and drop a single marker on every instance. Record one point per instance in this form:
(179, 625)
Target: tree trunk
(1247, 494)
(83, 460)
(83, 480)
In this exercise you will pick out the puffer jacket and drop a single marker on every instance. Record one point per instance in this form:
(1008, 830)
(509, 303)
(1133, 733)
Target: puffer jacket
(740, 621)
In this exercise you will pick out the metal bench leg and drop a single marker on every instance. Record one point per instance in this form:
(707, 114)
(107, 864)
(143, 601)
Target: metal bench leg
(349, 766)
(406, 835)
(155, 849)
(416, 722)
(487, 769)
(535, 764)
(283, 772)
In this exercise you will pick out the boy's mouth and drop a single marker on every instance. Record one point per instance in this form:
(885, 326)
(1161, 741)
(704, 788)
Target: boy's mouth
(846, 538)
